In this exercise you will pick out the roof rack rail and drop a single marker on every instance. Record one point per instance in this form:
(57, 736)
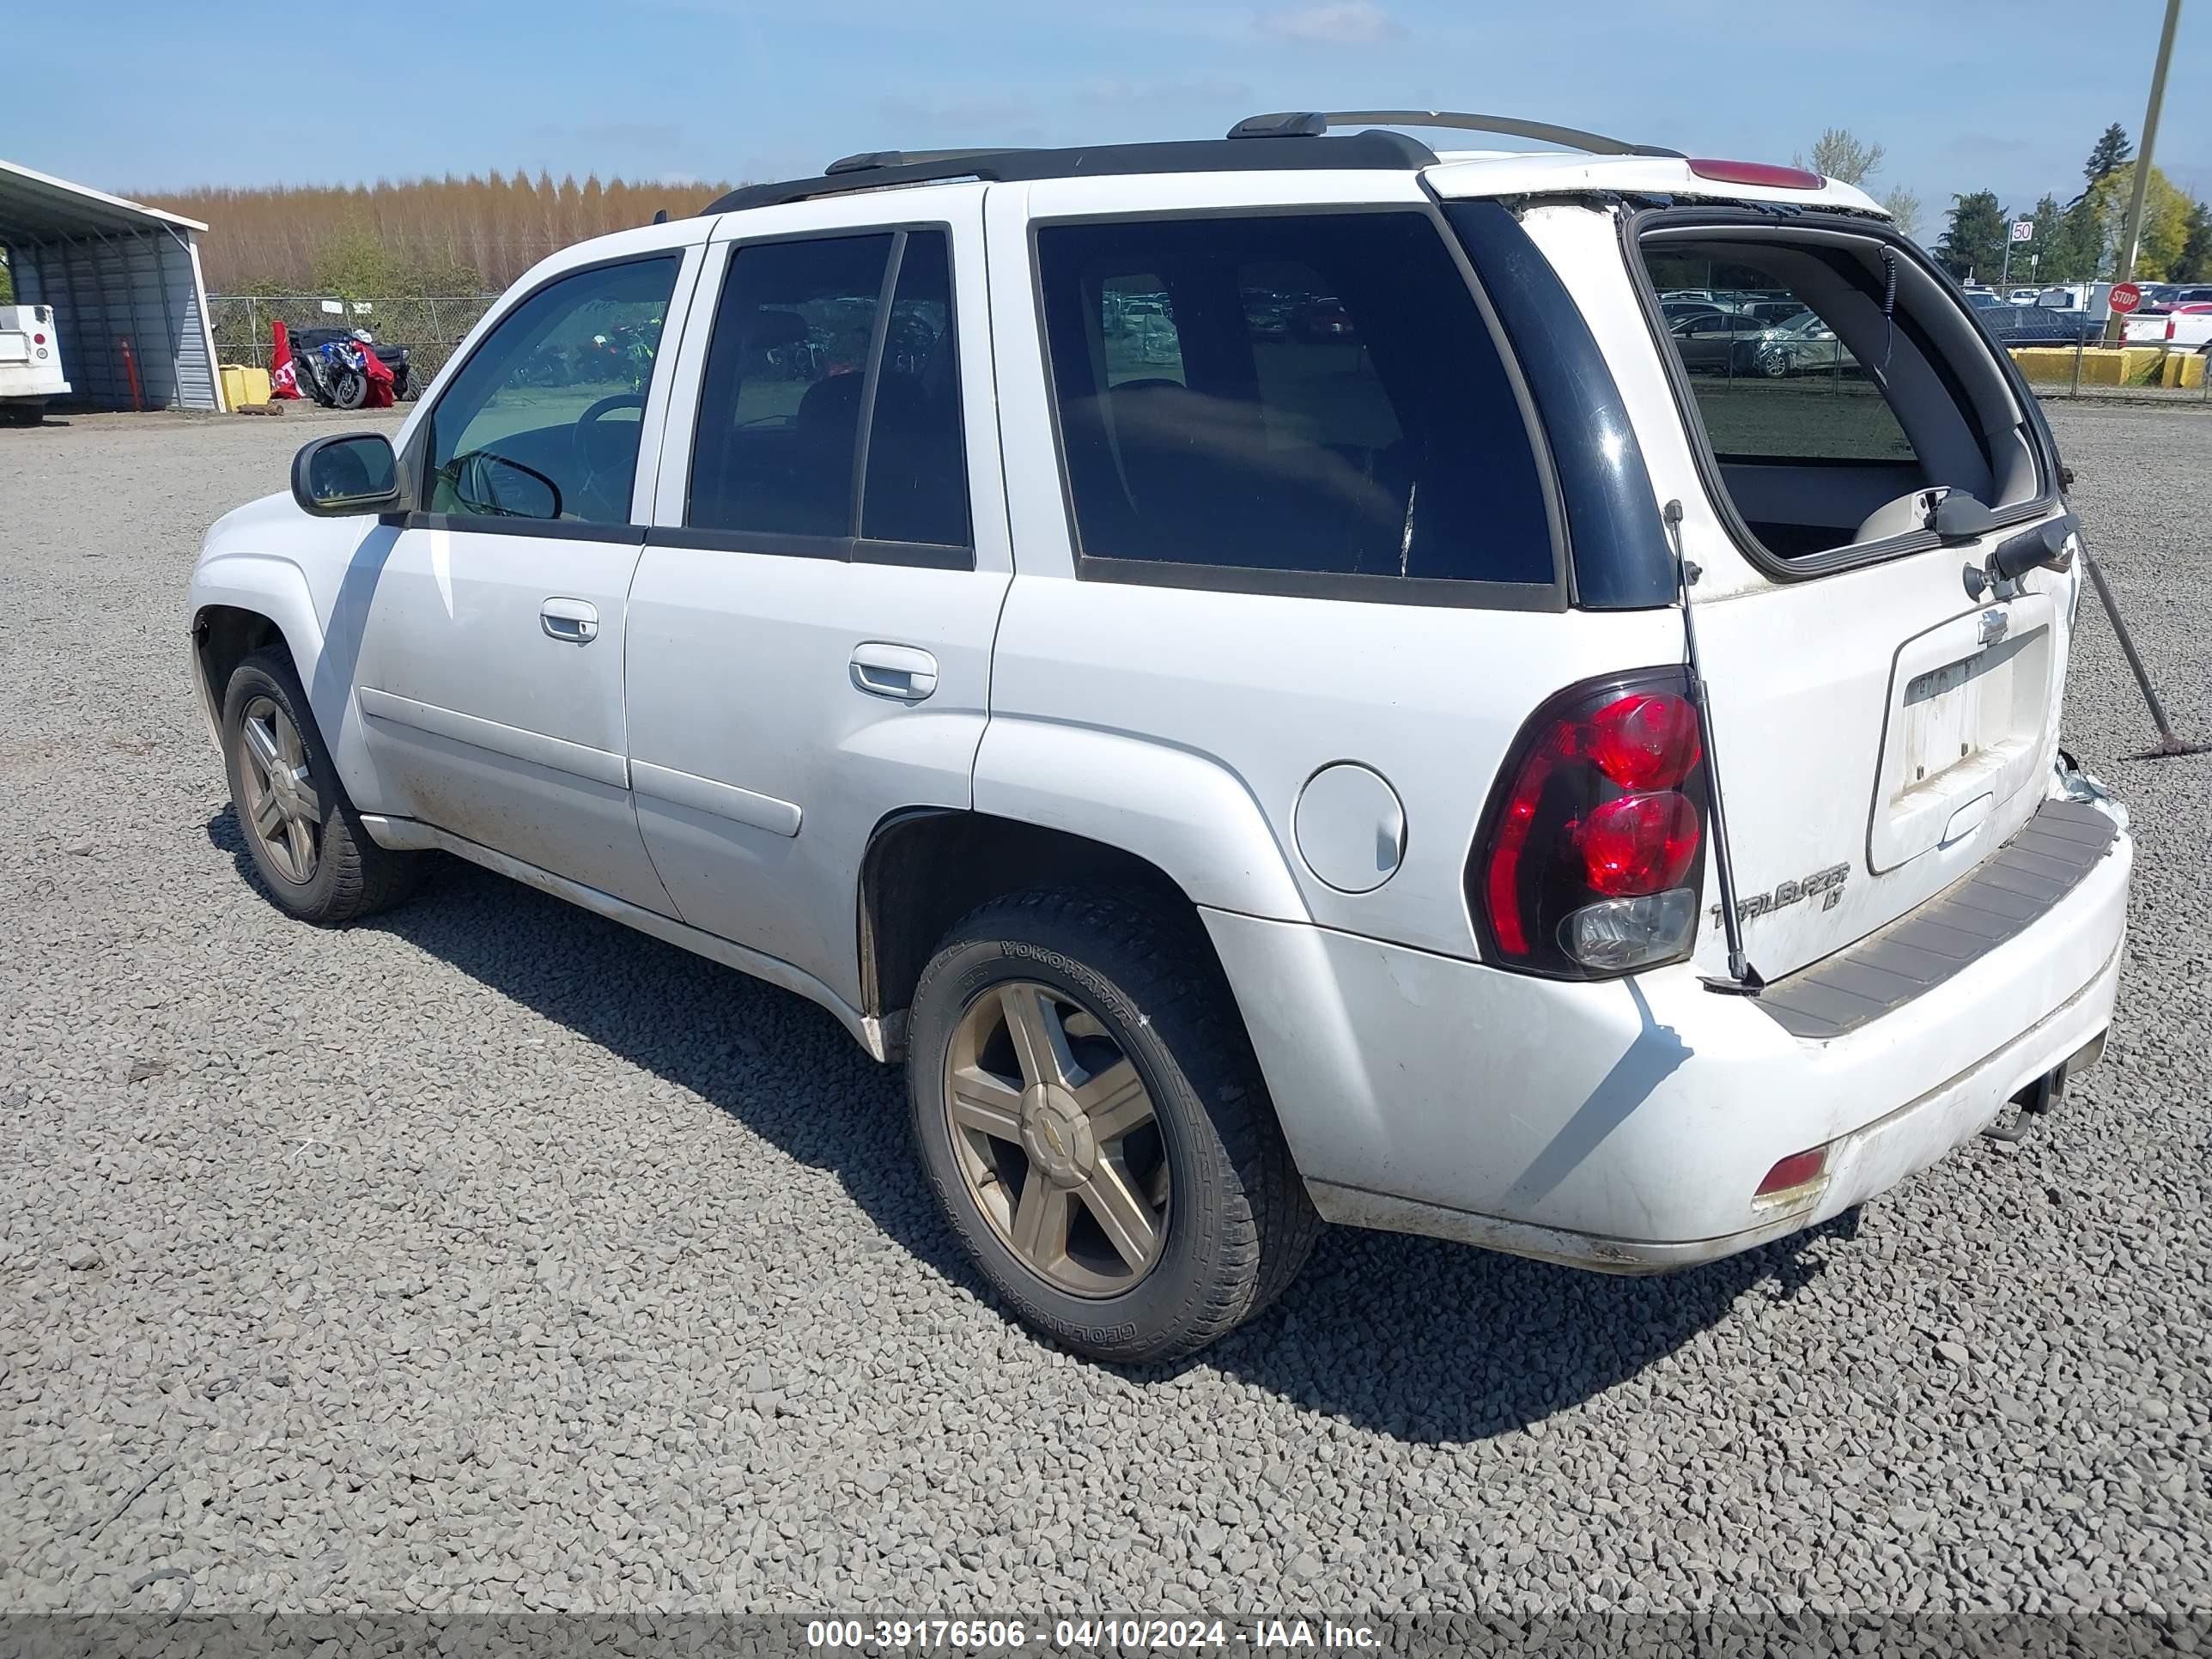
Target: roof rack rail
(1309, 124)
(867, 160)
(885, 169)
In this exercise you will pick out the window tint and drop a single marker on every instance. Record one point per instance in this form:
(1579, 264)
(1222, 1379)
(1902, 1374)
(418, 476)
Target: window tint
(1785, 389)
(781, 407)
(1309, 393)
(543, 420)
(917, 476)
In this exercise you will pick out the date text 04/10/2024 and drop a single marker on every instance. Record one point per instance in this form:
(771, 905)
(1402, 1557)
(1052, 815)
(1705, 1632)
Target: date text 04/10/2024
(1077, 1635)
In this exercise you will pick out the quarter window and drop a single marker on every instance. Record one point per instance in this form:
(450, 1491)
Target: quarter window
(1306, 394)
(543, 420)
(1785, 389)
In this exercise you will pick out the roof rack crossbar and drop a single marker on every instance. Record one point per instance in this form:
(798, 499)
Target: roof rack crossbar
(1311, 123)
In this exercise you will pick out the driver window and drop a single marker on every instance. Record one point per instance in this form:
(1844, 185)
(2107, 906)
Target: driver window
(543, 420)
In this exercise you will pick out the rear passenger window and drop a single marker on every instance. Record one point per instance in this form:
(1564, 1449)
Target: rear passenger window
(1308, 395)
(788, 400)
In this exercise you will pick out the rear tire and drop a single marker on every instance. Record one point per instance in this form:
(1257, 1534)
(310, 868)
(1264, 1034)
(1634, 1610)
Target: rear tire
(300, 826)
(1176, 1212)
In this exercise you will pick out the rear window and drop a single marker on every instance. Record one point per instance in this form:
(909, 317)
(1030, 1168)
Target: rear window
(1310, 395)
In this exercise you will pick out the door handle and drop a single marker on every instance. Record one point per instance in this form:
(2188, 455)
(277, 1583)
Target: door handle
(897, 671)
(573, 622)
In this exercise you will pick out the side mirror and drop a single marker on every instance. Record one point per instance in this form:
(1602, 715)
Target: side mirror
(1959, 517)
(346, 475)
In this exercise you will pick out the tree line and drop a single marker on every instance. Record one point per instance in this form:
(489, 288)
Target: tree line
(414, 237)
(2080, 240)
(454, 235)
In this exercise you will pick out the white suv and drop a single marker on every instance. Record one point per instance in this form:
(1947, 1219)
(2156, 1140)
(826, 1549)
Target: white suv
(1203, 649)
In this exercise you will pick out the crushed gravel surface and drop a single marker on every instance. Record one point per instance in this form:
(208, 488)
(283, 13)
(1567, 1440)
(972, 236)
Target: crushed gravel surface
(492, 1255)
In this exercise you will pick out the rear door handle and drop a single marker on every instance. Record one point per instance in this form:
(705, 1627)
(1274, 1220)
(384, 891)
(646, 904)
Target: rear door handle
(897, 671)
(573, 622)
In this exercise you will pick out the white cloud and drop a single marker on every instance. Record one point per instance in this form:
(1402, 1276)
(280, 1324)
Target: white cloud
(1332, 23)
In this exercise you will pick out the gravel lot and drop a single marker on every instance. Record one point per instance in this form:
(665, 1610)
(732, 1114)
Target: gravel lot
(493, 1255)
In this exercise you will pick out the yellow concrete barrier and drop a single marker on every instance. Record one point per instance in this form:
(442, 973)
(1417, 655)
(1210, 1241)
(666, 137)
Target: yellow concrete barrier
(2101, 365)
(2181, 368)
(244, 386)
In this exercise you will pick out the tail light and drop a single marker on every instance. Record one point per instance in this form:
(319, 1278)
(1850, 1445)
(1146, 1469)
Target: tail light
(2169, 328)
(1591, 858)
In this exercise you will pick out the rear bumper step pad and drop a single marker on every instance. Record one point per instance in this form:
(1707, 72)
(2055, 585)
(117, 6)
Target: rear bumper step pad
(2001, 898)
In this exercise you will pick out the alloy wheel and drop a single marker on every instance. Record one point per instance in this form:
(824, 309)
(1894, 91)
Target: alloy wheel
(1057, 1139)
(281, 809)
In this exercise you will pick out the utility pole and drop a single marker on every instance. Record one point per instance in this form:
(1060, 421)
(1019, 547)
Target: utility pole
(2131, 232)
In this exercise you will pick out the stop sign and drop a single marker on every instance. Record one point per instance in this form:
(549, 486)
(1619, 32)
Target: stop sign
(2125, 297)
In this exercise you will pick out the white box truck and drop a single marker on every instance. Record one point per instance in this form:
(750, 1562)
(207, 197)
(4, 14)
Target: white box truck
(30, 362)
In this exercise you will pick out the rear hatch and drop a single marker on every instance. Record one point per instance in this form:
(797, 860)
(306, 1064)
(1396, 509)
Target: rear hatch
(1882, 727)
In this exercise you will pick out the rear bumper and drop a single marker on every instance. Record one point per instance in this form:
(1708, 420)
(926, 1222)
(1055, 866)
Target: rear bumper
(1626, 1125)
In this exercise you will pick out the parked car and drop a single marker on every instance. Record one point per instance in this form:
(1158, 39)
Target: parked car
(1274, 788)
(2093, 299)
(30, 363)
(1716, 341)
(2162, 297)
(1772, 313)
(1323, 318)
(1266, 313)
(2028, 325)
(1805, 345)
(2184, 328)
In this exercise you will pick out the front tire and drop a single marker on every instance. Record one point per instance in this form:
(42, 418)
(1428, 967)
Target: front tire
(300, 826)
(1088, 1109)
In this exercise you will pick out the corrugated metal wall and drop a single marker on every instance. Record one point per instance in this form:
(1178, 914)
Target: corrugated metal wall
(139, 286)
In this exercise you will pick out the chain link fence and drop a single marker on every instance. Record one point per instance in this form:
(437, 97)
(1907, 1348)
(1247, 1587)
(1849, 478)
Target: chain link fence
(429, 328)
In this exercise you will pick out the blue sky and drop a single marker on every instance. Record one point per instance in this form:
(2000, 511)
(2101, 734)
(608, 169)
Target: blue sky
(1963, 94)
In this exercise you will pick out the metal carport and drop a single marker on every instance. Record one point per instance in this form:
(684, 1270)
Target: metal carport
(117, 274)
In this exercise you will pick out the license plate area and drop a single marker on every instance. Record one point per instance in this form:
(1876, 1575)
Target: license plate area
(1970, 700)
(14, 347)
